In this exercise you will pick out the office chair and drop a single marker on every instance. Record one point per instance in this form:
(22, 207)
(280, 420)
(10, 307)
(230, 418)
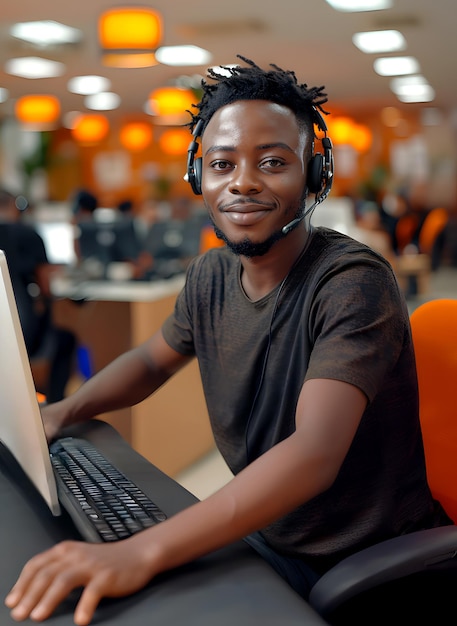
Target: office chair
(431, 234)
(417, 570)
(434, 328)
(416, 262)
(432, 226)
(405, 230)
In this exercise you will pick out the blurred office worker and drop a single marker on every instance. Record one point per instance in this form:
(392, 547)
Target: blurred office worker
(31, 272)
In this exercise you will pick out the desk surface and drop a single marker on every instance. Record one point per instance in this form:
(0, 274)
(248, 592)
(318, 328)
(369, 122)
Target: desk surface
(116, 290)
(231, 586)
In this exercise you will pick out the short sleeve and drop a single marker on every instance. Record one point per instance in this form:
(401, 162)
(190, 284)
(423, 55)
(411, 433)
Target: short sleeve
(358, 325)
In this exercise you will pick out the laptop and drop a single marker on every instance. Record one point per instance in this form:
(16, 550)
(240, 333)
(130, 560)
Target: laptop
(95, 507)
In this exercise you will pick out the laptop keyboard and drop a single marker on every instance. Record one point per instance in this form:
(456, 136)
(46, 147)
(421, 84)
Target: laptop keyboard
(104, 504)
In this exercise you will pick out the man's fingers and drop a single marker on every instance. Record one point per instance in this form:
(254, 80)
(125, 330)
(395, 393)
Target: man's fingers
(89, 601)
(52, 596)
(35, 574)
(26, 598)
(100, 570)
(44, 582)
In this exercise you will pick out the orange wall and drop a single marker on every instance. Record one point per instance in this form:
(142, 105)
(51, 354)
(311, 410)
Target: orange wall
(111, 172)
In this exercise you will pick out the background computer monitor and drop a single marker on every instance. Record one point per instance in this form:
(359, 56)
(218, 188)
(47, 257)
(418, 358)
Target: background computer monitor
(108, 242)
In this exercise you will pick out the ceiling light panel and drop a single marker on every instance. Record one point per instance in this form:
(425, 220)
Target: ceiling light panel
(34, 67)
(224, 70)
(412, 89)
(45, 33)
(105, 101)
(422, 93)
(400, 84)
(360, 5)
(380, 41)
(396, 66)
(182, 55)
(88, 85)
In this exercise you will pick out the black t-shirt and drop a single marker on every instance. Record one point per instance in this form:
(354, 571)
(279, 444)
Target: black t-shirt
(339, 314)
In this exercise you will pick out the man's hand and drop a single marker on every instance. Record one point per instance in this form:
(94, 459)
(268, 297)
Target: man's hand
(103, 570)
(53, 417)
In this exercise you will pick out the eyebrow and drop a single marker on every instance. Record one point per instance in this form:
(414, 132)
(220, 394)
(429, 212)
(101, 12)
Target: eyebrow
(265, 146)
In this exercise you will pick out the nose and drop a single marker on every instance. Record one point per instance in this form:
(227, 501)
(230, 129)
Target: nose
(245, 180)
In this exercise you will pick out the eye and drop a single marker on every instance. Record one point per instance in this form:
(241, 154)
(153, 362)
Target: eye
(272, 163)
(220, 165)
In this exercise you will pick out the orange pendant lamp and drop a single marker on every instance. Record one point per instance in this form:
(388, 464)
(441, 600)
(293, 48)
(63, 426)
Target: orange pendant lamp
(38, 112)
(129, 36)
(90, 129)
(175, 141)
(345, 131)
(136, 136)
(362, 138)
(340, 130)
(169, 105)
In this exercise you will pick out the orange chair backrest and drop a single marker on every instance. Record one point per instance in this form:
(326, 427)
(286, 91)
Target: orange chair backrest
(405, 230)
(434, 330)
(208, 239)
(433, 225)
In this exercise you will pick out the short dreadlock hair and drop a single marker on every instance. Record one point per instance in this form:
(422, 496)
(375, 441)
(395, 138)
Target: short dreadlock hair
(253, 83)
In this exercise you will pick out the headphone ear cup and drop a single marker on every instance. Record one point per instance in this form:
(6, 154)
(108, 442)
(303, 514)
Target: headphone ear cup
(315, 180)
(194, 173)
(198, 176)
(194, 166)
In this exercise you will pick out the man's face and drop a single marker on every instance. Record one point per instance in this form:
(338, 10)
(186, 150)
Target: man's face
(254, 173)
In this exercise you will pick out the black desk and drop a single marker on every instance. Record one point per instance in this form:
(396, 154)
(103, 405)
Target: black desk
(230, 587)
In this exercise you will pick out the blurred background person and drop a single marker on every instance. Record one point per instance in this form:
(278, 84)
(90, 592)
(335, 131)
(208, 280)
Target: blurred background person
(31, 277)
(83, 206)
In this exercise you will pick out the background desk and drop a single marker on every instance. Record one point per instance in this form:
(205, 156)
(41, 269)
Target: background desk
(231, 586)
(171, 428)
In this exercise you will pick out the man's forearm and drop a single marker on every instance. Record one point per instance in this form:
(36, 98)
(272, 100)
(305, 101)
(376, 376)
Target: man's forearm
(268, 489)
(124, 382)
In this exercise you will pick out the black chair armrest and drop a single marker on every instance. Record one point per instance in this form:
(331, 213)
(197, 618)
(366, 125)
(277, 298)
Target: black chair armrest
(381, 563)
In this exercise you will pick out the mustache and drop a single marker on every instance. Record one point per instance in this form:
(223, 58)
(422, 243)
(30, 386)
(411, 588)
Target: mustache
(247, 200)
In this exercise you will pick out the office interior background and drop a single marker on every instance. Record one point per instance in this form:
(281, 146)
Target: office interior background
(393, 126)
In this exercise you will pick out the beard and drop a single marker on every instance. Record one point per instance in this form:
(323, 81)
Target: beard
(250, 249)
(246, 247)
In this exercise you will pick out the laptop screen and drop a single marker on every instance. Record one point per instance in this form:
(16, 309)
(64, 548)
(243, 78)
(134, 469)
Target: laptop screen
(21, 427)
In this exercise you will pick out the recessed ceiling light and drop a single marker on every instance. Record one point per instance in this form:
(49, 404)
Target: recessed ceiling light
(412, 89)
(421, 93)
(224, 70)
(104, 101)
(4, 94)
(379, 41)
(396, 66)
(360, 5)
(34, 67)
(182, 55)
(87, 85)
(45, 33)
(402, 83)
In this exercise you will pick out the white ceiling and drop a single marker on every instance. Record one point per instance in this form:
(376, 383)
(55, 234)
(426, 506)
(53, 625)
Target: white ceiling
(307, 36)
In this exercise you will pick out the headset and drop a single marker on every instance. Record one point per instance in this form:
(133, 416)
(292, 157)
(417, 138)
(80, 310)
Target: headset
(194, 166)
(320, 167)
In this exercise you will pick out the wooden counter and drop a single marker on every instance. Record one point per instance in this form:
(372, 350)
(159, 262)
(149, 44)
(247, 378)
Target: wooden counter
(171, 428)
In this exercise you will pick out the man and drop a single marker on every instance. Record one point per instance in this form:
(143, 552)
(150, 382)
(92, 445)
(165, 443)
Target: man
(31, 272)
(307, 364)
